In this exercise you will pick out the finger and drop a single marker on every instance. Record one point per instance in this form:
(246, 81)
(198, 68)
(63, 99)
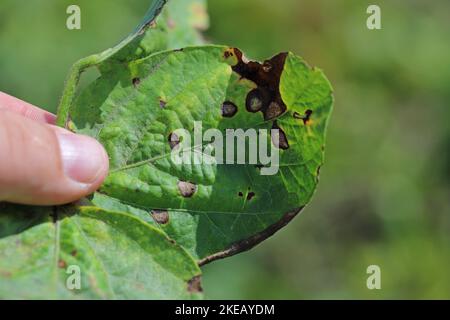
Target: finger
(25, 109)
(44, 165)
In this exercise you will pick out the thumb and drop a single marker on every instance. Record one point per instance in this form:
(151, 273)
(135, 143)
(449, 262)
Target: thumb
(44, 165)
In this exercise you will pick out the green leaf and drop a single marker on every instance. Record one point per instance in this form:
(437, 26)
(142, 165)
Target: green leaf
(134, 108)
(178, 26)
(118, 256)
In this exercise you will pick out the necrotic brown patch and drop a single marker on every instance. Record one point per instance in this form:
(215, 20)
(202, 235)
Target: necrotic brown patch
(195, 285)
(250, 195)
(267, 77)
(279, 140)
(229, 109)
(187, 189)
(160, 217)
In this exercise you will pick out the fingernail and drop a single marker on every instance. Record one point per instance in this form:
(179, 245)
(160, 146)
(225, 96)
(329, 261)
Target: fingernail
(83, 158)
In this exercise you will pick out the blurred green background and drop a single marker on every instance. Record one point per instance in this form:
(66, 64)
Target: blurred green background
(384, 195)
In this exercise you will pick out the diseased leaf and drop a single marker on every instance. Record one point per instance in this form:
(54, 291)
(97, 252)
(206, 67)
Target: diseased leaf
(118, 257)
(143, 233)
(213, 210)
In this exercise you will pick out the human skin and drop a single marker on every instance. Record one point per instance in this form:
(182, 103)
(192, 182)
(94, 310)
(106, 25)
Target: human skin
(41, 164)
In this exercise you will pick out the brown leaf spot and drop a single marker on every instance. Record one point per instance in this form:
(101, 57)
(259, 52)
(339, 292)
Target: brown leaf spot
(136, 82)
(162, 103)
(195, 285)
(256, 100)
(229, 109)
(187, 189)
(174, 140)
(240, 194)
(274, 110)
(74, 253)
(228, 53)
(62, 264)
(279, 140)
(306, 118)
(250, 195)
(160, 217)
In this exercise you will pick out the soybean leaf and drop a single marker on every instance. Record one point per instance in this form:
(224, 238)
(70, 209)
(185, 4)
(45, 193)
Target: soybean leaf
(212, 210)
(178, 25)
(115, 254)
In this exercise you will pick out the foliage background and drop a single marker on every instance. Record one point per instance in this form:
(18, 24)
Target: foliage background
(384, 192)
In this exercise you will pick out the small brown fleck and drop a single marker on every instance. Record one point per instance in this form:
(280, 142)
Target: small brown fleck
(306, 118)
(162, 103)
(136, 82)
(160, 217)
(250, 195)
(240, 194)
(62, 264)
(195, 285)
(228, 53)
(74, 253)
(229, 109)
(174, 140)
(187, 189)
(279, 138)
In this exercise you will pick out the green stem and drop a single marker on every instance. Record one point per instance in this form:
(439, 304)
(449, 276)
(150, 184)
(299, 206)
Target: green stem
(80, 66)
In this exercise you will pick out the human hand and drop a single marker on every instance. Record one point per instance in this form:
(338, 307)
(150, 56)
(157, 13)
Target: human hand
(41, 164)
